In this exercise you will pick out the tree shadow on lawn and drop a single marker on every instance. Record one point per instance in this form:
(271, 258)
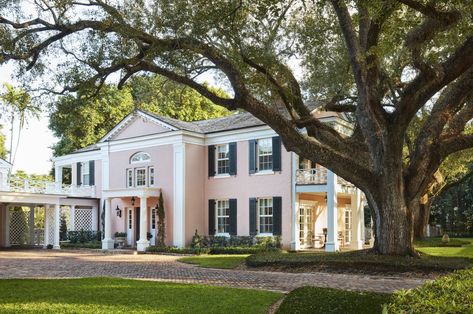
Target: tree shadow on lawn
(109, 295)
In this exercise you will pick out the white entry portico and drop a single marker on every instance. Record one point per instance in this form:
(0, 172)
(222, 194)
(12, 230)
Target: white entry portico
(142, 193)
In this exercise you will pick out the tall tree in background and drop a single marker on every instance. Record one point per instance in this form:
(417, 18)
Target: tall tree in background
(383, 61)
(83, 118)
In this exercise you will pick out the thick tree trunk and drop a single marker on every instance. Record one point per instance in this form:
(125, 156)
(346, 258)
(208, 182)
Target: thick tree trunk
(422, 219)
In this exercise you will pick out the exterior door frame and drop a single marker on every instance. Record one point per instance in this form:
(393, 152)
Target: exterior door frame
(306, 226)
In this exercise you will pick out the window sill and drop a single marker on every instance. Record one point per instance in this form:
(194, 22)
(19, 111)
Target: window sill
(264, 235)
(227, 235)
(221, 176)
(262, 173)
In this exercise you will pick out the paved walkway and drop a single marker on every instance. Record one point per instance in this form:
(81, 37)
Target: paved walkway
(64, 264)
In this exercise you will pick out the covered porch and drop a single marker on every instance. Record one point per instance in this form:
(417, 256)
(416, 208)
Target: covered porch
(132, 212)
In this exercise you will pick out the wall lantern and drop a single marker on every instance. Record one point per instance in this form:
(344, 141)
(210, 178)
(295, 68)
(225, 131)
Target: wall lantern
(119, 211)
(132, 201)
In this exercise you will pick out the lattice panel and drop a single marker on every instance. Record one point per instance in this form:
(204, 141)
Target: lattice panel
(49, 216)
(19, 227)
(83, 219)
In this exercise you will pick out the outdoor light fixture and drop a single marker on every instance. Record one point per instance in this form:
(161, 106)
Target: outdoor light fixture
(119, 211)
(132, 201)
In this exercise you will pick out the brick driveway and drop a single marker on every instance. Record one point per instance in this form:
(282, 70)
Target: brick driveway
(66, 264)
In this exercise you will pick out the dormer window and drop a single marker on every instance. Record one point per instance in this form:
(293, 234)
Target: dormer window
(140, 157)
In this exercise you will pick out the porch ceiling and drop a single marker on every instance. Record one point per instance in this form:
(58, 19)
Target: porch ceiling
(130, 192)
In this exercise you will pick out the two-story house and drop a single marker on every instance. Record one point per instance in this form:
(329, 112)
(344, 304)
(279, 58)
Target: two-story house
(224, 176)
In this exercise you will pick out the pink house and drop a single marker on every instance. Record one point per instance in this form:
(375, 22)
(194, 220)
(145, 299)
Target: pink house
(225, 176)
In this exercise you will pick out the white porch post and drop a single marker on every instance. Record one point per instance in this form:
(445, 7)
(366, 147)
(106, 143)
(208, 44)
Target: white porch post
(57, 225)
(179, 200)
(295, 245)
(72, 214)
(332, 213)
(58, 175)
(7, 226)
(47, 224)
(143, 243)
(357, 219)
(107, 242)
(31, 225)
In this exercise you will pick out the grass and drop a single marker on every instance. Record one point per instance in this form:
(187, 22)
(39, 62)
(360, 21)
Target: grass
(437, 242)
(326, 300)
(107, 295)
(465, 251)
(216, 261)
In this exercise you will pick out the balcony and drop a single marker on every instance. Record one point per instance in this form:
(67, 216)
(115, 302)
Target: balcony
(16, 184)
(318, 176)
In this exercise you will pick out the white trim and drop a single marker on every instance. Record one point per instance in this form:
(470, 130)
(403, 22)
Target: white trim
(127, 192)
(67, 160)
(179, 192)
(239, 135)
(136, 177)
(221, 176)
(262, 173)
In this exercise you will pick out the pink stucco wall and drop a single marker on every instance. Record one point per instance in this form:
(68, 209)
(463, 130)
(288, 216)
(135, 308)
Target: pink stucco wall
(243, 186)
(194, 198)
(140, 127)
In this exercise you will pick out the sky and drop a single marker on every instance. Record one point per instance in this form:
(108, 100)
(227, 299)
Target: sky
(34, 152)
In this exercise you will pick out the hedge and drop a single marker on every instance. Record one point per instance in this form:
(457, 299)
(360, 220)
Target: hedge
(83, 236)
(175, 250)
(85, 245)
(240, 250)
(437, 242)
(449, 294)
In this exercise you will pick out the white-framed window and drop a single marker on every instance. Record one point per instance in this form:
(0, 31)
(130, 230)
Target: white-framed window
(265, 215)
(130, 218)
(85, 173)
(348, 223)
(129, 178)
(222, 208)
(222, 159)
(140, 157)
(140, 177)
(151, 176)
(265, 154)
(153, 218)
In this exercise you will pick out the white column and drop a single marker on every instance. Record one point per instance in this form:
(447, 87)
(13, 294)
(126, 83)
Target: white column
(94, 218)
(47, 224)
(332, 213)
(295, 245)
(7, 226)
(357, 220)
(31, 225)
(362, 209)
(73, 174)
(143, 243)
(58, 174)
(57, 225)
(107, 242)
(72, 217)
(179, 195)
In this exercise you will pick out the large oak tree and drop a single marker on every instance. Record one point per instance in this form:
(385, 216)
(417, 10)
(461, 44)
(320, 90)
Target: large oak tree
(402, 56)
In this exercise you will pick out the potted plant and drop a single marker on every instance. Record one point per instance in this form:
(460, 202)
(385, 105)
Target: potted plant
(121, 239)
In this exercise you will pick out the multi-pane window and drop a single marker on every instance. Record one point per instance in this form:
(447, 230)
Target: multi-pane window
(348, 224)
(140, 157)
(130, 216)
(140, 177)
(265, 154)
(265, 215)
(153, 218)
(223, 216)
(151, 176)
(129, 178)
(223, 161)
(85, 173)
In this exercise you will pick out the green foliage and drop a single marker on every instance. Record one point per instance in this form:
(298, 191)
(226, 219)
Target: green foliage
(83, 236)
(455, 248)
(63, 228)
(175, 250)
(438, 242)
(215, 261)
(120, 234)
(82, 245)
(82, 119)
(112, 295)
(241, 250)
(161, 221)
(449, 294)
(325, 300)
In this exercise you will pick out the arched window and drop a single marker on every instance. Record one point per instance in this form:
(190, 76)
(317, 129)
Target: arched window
(140, 157)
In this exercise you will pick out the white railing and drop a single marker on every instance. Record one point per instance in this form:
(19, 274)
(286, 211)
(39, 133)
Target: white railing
(47, 187)
(311, 176)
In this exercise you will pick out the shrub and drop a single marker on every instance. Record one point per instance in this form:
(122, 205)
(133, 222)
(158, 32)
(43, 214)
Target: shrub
(175, 250)
(82, 245)
(445, 238)
(239, 250)
(437, 242)
(83, 236)
(449, 294)
(120, 235)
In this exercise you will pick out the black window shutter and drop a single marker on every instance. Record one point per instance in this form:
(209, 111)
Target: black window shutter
(252, 156)
(212, 217)
(79, 175)
(276, 153)
(253, 230)
(233, 216)
(232, 149)
(211, 160)
(92, 172)
(277, 215)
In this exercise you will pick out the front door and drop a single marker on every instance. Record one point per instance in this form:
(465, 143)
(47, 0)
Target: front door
(129, 226)
(137, 224)
(306, 227)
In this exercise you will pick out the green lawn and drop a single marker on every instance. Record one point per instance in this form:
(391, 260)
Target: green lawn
(325, 300)
(107, 295)
(215, 261)
(463, 251)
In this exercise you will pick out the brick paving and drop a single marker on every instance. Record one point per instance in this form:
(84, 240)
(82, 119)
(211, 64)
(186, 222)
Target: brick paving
(67, 264)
